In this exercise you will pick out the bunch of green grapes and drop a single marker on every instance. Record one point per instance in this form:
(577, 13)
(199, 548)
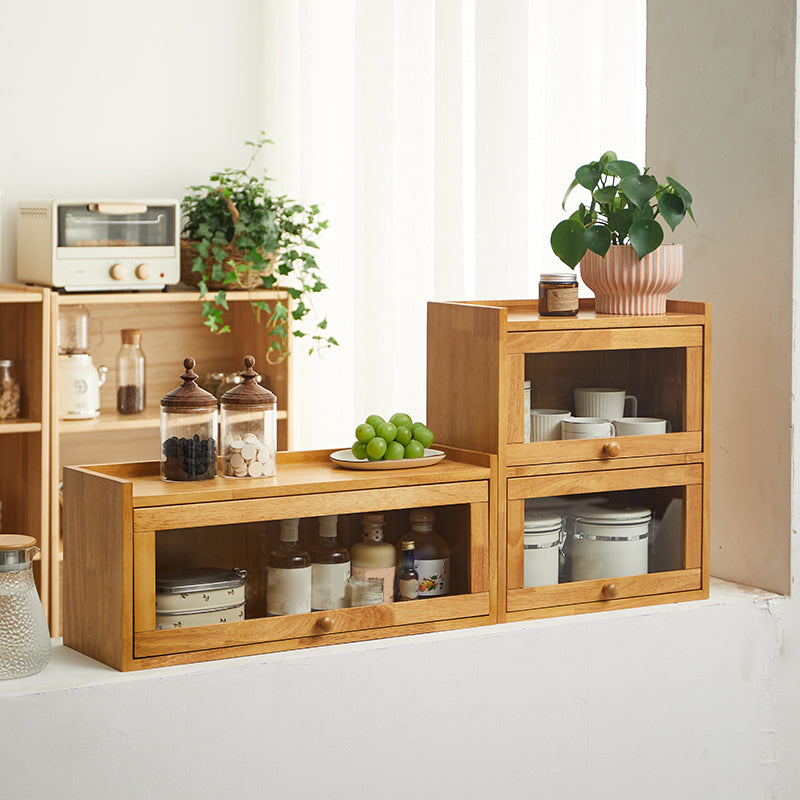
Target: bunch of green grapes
(378, 439)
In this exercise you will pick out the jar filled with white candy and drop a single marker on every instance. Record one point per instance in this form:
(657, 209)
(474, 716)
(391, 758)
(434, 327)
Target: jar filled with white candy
(248, 428)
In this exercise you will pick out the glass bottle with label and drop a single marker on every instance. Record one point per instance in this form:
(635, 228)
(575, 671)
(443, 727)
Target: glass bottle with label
(372, 557)
(130, 373)
(330, 567)
(407, 577)
(431, 554)
(288, 574)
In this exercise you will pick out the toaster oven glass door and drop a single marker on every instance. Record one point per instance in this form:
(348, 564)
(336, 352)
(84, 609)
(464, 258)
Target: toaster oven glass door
(116, 225)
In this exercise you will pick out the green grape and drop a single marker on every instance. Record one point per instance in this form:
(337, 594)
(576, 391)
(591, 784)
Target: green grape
(374, 420)
(403, 435)
(359, 450)
(394, 451)
(376, 448)
(424, 436)
(365, 432)
(386, 430)
(401, 420)
(416, 425)
(414, 449)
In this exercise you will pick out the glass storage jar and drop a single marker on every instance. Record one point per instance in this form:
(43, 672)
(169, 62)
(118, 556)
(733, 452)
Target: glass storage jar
(188, 431)
(24, 636)
(9, 390)
(130, 373)
(248, 427)
(558, 295)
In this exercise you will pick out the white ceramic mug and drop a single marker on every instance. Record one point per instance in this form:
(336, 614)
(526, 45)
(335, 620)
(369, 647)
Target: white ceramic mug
(546, 424)
(604, 403)
(641, 426)
(586, 428)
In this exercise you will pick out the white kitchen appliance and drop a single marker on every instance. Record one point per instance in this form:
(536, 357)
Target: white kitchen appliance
(99, 245)
(79, 381)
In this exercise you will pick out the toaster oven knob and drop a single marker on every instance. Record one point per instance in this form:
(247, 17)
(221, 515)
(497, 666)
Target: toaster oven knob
(143, 271)
(117, 272)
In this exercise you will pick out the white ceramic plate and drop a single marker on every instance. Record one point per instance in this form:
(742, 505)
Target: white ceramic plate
(345, 458)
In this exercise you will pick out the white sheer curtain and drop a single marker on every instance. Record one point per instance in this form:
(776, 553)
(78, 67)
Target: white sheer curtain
(439, 138)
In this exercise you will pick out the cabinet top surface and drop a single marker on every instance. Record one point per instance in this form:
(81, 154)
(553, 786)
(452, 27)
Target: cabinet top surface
(523, 315)
(297, 473)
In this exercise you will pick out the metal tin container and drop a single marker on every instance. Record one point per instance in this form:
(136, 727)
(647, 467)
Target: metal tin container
(187, 598)
(543, 536)
(609, 542)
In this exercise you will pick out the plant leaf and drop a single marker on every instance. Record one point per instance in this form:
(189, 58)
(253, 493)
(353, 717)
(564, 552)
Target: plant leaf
(639, 189)
(598, 239)
(622, 169)
(681, 191)
(672, 209)
(605, 194)
(645, 235)
(568, 242)
(589, 174)
(620, 222)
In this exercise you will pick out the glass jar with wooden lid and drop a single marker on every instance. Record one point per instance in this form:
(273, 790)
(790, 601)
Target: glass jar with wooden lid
(248, 427)
(188, 431)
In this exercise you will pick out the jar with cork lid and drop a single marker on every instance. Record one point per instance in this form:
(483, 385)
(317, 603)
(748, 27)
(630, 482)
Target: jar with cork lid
(9, 390)
(248, 427)
(130, 373)
(188, 431)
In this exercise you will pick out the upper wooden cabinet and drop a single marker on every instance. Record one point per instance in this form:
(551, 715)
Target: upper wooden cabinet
(480, 356)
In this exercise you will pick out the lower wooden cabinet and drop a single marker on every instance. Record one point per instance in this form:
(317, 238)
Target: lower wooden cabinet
(122, 524)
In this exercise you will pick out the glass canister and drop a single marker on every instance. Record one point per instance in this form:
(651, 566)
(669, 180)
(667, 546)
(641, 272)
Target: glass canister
(24, 636)
(130, 373)
(542, 539)
(248, 427)
(188, 431)
(558, 295)
(9, 390)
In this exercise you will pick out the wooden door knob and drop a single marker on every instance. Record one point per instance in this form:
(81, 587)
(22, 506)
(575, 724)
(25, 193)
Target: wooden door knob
(325, 624)
(610, 591)
(611, 449)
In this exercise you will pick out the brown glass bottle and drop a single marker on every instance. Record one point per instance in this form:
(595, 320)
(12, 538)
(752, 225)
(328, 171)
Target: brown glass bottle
(330, 567)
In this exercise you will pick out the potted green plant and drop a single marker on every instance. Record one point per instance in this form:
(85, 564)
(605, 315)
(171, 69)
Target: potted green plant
(618, 237)
(238, 235)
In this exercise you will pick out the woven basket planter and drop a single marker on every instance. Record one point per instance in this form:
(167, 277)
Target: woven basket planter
(249, 279)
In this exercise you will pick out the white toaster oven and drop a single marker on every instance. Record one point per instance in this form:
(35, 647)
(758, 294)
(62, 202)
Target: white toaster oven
(99, 245)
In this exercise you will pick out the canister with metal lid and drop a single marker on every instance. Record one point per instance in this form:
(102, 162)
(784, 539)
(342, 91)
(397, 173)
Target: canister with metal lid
(609, 542)
(188, 431)
(248, 427)
(543, 537)
(186, 598)
(24, 636)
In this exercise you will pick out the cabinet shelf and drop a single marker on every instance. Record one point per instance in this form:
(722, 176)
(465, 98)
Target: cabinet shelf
(19, 426)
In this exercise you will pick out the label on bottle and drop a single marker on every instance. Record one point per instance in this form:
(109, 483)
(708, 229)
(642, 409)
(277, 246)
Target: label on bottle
(408, 589)
(562, 299)
(288, 591)
(328, 583)
(434, 576)
(385, 573)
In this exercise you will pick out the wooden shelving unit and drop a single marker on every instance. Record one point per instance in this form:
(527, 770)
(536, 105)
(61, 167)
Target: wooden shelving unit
(172, 328)
(25, 442)
(122, 523)
(479, 356)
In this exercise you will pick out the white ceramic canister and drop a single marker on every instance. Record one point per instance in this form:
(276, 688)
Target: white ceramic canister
(198, 596)
(543, 534)
(609, 542)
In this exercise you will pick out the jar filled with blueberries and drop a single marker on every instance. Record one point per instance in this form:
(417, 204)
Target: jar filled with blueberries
(188, 431)
(248, 427)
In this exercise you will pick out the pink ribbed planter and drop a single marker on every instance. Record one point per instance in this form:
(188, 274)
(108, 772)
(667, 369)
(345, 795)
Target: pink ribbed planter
(622, 284)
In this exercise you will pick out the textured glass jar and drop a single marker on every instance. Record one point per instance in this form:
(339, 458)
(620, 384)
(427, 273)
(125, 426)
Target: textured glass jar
(130, 373)
(24, 636)
(188, 431)
(248, 427)
(9, 390)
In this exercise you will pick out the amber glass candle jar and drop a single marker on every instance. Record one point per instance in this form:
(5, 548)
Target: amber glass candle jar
(558, 295)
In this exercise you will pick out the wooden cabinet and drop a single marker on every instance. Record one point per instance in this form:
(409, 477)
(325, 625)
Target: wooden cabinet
(479, 357)
(24, 441)
(172, 328)
(122, 524)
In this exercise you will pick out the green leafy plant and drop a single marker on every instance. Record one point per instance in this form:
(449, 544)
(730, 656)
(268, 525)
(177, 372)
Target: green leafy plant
(624, 208)
(237, 234)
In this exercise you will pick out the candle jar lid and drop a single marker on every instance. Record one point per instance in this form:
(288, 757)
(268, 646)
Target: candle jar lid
(188, 395)
(559, 277)
(248, 392)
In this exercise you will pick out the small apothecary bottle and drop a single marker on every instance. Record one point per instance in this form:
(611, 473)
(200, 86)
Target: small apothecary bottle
(431, 554)
(130, 373)
(407, 575)
(558, 295)
(188, 431)
(248, 427)
(372, 558)
(9, 390)
(330, 567)
(288, 574)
